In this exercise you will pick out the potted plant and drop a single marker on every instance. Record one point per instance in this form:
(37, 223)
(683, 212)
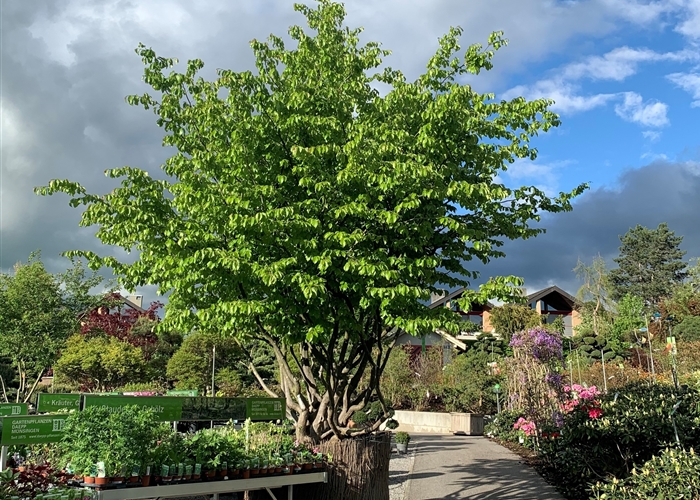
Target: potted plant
(318, 459)
(255, 466)
(189, 468)
(101, 477)
(278, 461)
(245, 468)
(402, 439)
(305, 459)
(146, 476)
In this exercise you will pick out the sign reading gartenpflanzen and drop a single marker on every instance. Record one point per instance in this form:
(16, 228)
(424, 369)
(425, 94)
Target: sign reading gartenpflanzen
(266, 408)
(32, 429)
(49, 403)
(10, 409)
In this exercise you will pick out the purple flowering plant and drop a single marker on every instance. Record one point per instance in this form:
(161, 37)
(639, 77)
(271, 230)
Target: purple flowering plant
(535, 381)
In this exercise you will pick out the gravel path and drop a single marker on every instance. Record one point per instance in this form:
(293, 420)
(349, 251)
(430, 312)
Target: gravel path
(400, 467)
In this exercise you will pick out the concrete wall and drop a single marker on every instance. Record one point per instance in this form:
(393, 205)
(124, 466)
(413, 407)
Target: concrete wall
(439, 423)
(423, 421)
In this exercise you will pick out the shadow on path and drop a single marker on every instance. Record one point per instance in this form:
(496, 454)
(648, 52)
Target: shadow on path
(472, 467)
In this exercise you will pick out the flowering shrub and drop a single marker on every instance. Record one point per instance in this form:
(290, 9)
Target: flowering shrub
(672, 474)
(605, 436)
(535, 382)
(502, 425)
(583, 398)
(528, 427)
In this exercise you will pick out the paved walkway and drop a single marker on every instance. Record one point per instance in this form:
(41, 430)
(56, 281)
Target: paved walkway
(471, 467)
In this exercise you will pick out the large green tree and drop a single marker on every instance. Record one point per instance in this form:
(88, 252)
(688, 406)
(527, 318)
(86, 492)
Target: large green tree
(99, 363)
(191, 365)
(34, 322)
(650, 264)
(306, 208)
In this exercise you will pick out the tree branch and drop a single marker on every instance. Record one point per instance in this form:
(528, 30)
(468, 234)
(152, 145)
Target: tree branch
(261, 382)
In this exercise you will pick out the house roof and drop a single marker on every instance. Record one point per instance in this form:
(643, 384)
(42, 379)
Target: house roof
(535, 296)
(128, 303)
(457, 343)
(454, 295)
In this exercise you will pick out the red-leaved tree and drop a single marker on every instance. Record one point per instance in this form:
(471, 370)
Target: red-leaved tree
(115, 319)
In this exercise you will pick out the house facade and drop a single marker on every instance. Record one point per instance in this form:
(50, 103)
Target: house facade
(478, 314)
(553, 302)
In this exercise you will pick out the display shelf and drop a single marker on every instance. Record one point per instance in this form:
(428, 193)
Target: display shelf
(212, 488)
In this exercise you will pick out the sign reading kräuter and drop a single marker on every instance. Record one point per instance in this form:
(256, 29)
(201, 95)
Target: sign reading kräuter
(32, 429)
(49, 403)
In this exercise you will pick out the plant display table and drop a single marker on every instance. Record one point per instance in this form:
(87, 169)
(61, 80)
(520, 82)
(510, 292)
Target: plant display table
(214, 488)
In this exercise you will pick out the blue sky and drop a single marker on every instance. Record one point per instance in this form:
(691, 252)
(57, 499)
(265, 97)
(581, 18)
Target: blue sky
(625, 75)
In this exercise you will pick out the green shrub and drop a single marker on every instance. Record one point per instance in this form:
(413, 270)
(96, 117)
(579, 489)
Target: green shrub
(688, 329)
(634, 426)
(397, 379)
(467, 384)
(370, 414)
(673, 474)
(402, 437)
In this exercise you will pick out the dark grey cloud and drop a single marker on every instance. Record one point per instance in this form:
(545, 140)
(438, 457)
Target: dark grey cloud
(659, 192)
(67, 66)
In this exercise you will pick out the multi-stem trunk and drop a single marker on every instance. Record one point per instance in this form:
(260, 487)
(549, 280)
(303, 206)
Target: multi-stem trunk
(325, 384)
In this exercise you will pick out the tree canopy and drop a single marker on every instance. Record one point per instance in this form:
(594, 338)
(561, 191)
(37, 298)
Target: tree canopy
(650, 264)
(34, 322)
(305, 208)
(99, 363)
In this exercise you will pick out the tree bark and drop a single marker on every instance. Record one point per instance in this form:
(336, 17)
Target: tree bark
(359, 470)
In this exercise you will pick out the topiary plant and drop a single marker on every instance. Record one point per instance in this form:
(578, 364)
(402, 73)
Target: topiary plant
(688, 329)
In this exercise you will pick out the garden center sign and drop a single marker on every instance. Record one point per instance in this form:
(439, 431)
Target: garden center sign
(10, 409)
(32, 429)
(172, 409)
(50, 403)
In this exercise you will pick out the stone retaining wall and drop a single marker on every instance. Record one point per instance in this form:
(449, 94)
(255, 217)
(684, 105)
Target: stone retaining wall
(439, 423)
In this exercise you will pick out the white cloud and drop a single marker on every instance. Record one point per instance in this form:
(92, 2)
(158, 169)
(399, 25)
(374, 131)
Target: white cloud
(565, 95)
(616, 65)
(690, 26)
(621, 62)
(642, 12)
(633, 109)
(690, 82)
(652, 135)
(543, 175)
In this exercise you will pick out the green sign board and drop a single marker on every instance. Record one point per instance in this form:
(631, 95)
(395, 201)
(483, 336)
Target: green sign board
(266, 408)
(170, 409)
(213, 409)
(12, 409)
(192, 394)
(167, 409)
(32, 429)
(51, 403)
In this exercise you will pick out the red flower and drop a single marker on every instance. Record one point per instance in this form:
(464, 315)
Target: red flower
(595, 412)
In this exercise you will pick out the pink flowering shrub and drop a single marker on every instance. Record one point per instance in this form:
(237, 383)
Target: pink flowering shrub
(585, 398)
(528, 427)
